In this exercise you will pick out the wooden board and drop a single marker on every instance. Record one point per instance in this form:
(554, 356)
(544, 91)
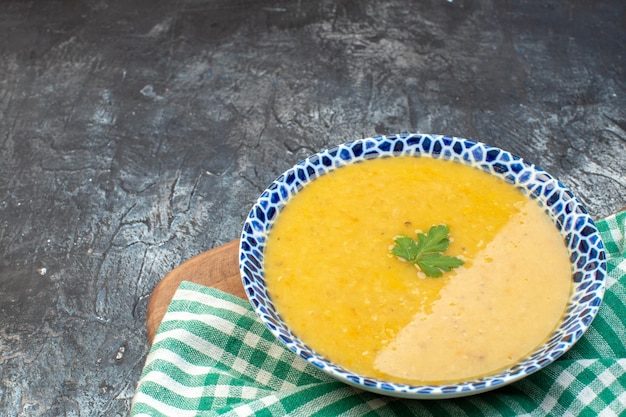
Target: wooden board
(217, 268)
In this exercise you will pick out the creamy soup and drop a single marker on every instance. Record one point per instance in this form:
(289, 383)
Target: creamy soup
(333, 279)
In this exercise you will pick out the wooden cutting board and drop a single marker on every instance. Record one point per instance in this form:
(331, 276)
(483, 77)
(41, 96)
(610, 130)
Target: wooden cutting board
(217, 268)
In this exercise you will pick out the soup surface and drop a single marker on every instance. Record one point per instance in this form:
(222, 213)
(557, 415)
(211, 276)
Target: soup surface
(331, 275)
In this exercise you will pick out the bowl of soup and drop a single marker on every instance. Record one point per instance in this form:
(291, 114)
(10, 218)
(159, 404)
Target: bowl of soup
(422, 266)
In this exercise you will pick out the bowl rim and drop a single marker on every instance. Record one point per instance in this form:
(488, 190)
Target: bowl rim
(529, 178)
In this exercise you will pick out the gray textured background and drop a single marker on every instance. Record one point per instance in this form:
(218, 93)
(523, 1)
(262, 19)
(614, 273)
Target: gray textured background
(136, 134)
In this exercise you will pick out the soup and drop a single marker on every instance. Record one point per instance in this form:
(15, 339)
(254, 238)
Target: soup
(331, 275)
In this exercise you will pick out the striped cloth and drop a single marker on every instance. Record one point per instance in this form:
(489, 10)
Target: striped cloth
(213, 357)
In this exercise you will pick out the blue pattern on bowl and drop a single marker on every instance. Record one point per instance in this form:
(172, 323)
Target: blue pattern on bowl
(570, 217)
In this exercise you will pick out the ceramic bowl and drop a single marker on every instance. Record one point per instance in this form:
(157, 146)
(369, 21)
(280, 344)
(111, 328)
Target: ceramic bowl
(577, 228)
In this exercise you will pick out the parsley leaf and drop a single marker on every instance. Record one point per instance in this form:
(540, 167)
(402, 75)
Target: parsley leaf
(427, 252)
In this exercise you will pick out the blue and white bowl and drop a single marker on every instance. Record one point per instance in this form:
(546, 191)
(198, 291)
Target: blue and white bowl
(577, 228)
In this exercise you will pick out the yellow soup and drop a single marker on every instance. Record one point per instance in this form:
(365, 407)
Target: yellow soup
(331, 275)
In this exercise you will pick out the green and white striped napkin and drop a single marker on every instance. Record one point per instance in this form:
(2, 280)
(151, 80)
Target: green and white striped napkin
(213, 357)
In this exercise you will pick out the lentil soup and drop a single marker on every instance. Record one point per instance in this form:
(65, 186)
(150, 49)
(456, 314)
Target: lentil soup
(332, 278)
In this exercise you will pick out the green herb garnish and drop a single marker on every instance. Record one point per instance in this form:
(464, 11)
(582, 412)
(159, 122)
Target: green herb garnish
(427, 252)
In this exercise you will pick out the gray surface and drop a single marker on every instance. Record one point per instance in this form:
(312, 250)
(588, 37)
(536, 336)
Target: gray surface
(136, 134)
